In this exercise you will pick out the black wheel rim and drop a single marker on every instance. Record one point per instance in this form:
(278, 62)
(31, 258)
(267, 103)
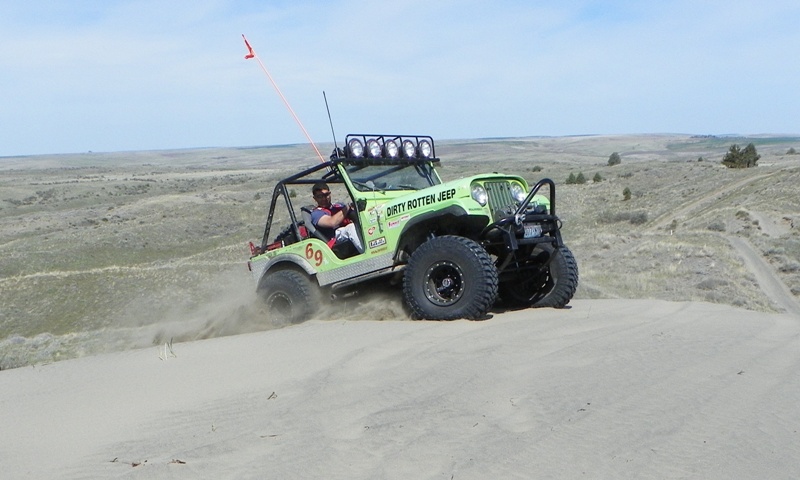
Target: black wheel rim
(280, 304)
(444, 283)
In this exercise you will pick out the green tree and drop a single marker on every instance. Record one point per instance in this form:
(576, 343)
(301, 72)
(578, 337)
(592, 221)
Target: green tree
(750, 156)
(580, 179)
(626, 194)
(738, 158)
(571, 179)
(614, 159)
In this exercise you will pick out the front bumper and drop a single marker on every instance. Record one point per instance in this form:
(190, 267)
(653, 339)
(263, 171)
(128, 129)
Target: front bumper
(525, 223)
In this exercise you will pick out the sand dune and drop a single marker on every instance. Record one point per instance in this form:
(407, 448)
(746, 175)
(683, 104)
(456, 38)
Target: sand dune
(605, 389)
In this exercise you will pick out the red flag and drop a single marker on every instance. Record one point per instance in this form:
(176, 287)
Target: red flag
(249, 49)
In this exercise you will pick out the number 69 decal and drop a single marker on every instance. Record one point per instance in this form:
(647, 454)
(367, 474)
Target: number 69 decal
(314, 254)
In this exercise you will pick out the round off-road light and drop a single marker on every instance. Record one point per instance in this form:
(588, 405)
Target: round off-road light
(355, 147)
(425, 149)
(390, 149)
(409, 149)
(374, 148)
(518, 192)
(479, 194)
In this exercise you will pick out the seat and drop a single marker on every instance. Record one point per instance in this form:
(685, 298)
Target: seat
(342, 250)
(312, 229)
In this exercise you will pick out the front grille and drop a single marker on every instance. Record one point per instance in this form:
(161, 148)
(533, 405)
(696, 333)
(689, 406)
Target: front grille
(500, 198)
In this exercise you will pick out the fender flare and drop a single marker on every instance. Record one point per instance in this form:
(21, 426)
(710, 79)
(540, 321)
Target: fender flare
(453, 210)
(290, 258)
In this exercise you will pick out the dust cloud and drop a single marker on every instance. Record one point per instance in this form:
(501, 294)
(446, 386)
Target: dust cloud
(224, 304)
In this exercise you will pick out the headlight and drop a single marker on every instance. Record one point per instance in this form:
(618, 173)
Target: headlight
(391, 149)
(479, 194)
(517, 192)
(355, 147)
(374, 148)
(425, 149)
(409, 149)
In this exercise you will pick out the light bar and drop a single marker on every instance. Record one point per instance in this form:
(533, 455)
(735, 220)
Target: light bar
(393, 147)
(355, 148)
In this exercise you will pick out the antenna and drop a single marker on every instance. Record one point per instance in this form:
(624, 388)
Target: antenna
(252, 54)
(335, 146)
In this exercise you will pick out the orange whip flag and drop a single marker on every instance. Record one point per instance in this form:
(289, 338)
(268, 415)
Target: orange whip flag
(252, 54)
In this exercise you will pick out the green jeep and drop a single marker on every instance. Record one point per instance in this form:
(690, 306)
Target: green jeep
(457, 246)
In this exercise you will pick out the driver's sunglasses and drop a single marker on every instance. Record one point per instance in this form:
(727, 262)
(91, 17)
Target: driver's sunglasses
(322, 195)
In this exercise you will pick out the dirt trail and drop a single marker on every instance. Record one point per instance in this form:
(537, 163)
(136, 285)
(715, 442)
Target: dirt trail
(767, 279)
(768, 226)
(685, 209)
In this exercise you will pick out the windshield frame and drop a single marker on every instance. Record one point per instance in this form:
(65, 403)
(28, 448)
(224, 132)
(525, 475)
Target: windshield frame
(391, 176)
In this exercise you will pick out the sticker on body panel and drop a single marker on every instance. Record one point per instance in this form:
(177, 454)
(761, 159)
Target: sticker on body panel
(314, 254)
(377, 242)
(421, 201)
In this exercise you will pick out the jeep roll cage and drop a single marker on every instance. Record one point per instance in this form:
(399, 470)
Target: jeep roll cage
(361, 152)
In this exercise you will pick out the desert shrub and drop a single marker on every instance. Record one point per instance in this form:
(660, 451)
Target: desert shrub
(571, 179)
(716, 226)
(536, 168)
(626, 175)
(790, 267)
(638, 218)
(635, 218)
(292, 193)
(738, 158)
(626, 194)
(597, 178)
(673, 225)
(711, 283)
(614, 159)
(775, 252)
(791, 151)
(580, 179)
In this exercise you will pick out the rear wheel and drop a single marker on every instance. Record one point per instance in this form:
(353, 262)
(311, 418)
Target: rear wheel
(450, 277)
(552, 287)
(289, 296)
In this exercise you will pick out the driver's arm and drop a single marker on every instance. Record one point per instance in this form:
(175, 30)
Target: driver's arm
(333, 220)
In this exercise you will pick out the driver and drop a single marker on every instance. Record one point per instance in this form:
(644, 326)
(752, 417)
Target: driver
(331, 218)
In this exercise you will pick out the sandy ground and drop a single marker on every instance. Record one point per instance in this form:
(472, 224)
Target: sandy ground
(640, 378)
(604, 389)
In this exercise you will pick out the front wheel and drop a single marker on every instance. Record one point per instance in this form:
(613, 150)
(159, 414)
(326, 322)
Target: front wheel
(551, 286)
(450, 277)
(289, 296)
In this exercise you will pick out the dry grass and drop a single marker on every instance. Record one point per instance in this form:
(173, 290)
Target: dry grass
(107, 251)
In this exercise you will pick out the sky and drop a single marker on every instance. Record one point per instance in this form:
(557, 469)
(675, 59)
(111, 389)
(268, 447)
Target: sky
(121, 75)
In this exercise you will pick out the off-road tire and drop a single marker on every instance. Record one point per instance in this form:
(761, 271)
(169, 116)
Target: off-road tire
(450, 277)
(289, 296)
(553, 288)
